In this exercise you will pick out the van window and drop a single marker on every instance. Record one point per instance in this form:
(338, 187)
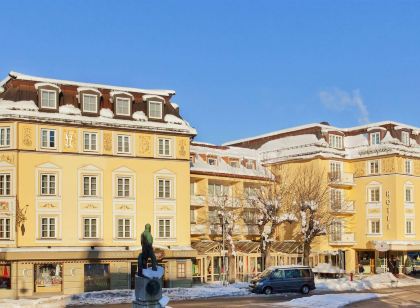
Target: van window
(278, 274)
(292, 273)
(305, 273)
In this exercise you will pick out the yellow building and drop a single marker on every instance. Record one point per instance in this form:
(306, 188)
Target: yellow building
(83, 167)
(374, 183)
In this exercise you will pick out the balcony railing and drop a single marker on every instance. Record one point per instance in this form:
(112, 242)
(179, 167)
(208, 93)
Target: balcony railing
(197, 200)
(344, 238)
(345, 207)
(341, 178)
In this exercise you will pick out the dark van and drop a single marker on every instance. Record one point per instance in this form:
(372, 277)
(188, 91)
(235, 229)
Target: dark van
(284, 279)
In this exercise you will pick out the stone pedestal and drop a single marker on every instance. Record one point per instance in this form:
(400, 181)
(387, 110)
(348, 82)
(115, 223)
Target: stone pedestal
(148, 290)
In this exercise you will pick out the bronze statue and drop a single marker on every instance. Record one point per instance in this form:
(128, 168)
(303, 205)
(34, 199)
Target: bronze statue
(146, 251)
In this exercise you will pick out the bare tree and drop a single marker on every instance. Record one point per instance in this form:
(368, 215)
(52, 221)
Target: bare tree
(272, 201)
(312, 201)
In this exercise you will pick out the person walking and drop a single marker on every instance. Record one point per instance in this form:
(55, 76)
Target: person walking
(361, 270)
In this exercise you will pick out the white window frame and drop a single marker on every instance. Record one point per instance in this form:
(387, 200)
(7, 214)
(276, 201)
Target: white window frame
(376, 164)
(250, 164)
(126, 100)
(375, 138)
(48, 133)
(167, 187)
(336, 141)
(88, 145)
(124, 190)
(409, 188)
(88, 192)
(84, 96)
(408, 166)
(165, 147)
(369, 196)
(150, 103)
(49, 230)
(224, 189)
(124, 140)
(405, 138)
(412, 226)
(375, 220)
(5, 137)
(5, 184)
(49, 187)
(124, 221)
(90, 234)
(49, 92)
(166, 228)
(5, 228)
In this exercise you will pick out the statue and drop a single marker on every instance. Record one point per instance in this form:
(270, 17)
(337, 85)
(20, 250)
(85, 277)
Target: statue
(146, 251)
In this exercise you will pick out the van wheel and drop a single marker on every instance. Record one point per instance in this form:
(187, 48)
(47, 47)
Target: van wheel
(268, 291)
(304, 289)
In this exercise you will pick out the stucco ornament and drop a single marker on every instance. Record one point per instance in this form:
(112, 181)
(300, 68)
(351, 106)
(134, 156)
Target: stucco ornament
(146, 251)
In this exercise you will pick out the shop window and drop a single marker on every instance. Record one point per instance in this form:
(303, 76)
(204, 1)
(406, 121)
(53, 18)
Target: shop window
(181, 270)
(48, 278)
(97, 277)
(5, 279)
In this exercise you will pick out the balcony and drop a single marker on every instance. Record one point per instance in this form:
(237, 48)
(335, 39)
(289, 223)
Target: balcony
(342, 239)
(343, 207)
(226, 201)
(343, 179)
(198, 229)
(197, 200)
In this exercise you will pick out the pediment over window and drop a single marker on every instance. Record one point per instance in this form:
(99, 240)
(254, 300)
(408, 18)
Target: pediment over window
(90, 168)
(164, 172)
(48, 166)
(124, 169)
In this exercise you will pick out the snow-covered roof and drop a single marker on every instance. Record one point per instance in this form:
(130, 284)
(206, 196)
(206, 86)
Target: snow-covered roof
(28, 110)
(21, 76)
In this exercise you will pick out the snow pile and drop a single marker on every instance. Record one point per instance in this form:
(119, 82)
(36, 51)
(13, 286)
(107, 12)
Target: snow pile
(20, 105)
(329, 300)
(106, 113)
(139, 116)
(175, 105)
(170, 118)
(69, 109)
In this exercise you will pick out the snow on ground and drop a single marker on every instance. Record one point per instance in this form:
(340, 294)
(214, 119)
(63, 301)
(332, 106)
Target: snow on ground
(328, 300)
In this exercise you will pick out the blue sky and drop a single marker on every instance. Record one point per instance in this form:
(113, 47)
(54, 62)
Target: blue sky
(240, 68)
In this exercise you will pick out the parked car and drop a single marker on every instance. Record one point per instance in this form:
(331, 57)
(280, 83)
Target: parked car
(284, 279)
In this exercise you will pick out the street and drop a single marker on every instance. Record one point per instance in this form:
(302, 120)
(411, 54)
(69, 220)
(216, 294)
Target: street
(394, 297)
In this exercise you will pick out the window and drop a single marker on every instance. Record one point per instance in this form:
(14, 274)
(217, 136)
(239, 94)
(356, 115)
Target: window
(90, 141)
(48, 99)
(155, 110)
(164, 227)
(374, 194)
(375, 138)
(217, 190)
(250, 191)
(405, 138)
(48, 138)
(181, 270)
(123, 145)
(212, 161)
(122, 106)
(408, 166)
(336, 230)
(5, 276)
(4, 136)
(250, 217)
(336, 141)
(4, 228)
(409, 194)
(164, 188)
(90, 103)
(234, 163)
(373, 166)
(250, 164)
(90, 185)
(124, 228)
(123, 186)
(90, 227)
(48, 225)
(4, 184)
(409, 226)
(48, 184)
(192, 216)
(164, 147)
(375, 226)
(336, 196)
(192, 188)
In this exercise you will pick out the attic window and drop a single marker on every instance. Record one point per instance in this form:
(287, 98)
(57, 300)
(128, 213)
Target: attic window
(48, 99)
(375, 138)
(212, 161)
(336, 141)
(405, 138)
(250, 164)
(90, 103)
(155, 110)
(234, 163)
(122, 106)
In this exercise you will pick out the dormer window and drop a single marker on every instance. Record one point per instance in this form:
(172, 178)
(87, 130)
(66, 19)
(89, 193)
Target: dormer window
(155, 110)
(405, 138)
(234, 163)
(250, 164)
(375, 138)
(336, 141)
(48, 99)
(90, 103)
(122, 106)
(212, 161)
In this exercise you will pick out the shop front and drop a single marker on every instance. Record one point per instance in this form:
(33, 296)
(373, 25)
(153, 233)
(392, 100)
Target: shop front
(48, 278)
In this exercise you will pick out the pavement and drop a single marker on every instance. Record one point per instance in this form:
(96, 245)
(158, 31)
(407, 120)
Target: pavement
(395, 297)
